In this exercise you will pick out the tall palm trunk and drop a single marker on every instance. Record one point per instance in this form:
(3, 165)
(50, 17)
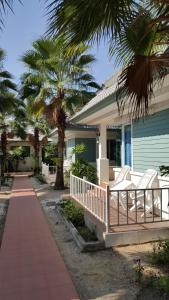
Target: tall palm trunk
(60, 123)
(4, 151)
(59, 183)
(36, 149)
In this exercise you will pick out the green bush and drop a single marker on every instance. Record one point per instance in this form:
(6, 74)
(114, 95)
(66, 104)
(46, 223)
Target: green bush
(87, 234)
(160, 254)
(164, 284)
(79, 148)
(73, 213)
(81, 168)
(164, 170)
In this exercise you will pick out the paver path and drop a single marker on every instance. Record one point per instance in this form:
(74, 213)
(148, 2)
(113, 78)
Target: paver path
(31, 267)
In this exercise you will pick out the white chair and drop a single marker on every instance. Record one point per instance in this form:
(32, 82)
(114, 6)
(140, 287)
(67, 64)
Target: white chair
(117, 193)
(123, 174)
(136, 198)
(142, 197)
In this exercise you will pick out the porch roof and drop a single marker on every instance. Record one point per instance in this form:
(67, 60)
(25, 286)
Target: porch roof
(102, 99)
(103, 107)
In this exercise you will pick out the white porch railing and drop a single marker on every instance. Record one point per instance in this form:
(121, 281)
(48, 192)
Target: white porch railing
(121, 207)
(92, 197)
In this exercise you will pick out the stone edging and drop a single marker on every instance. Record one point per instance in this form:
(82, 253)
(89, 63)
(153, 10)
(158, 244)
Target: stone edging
(81, 243)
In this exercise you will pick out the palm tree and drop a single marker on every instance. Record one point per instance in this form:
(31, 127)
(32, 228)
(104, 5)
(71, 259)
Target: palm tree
(29, 90)
(7, 103)
(64, 78)
(6, 86)
(137, 34)
(11, 124)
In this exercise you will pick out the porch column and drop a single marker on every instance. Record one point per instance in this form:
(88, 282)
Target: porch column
(102, 161)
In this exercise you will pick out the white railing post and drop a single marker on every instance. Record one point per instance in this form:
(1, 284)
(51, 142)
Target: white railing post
(107, 209)
(71, 183)
(86, 193)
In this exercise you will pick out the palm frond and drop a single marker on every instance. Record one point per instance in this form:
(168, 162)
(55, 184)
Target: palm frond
(137, 81)
(84, 20)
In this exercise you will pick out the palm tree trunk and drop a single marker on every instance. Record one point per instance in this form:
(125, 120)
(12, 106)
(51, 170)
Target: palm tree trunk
(60, 124)
(59, 183)
(4, 151)
(36, 150)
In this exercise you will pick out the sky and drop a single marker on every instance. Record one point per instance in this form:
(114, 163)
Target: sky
(29, 23)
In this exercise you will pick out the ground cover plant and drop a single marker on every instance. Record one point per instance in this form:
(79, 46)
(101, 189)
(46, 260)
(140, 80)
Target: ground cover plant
(75, 215)
(157, 279)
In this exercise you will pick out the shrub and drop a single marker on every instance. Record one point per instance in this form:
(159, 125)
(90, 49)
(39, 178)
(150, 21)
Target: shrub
(76, 216)
(81, 168)
(160, 254)
(73, 213)
(79, 148)
(87, 234)
(164, 284)
(164, 170)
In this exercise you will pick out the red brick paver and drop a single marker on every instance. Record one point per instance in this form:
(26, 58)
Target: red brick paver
(31, 267)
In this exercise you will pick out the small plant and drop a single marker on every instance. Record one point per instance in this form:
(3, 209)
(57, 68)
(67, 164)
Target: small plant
(164, 284)
(81, 168)
(138, 270)
(79, 148)
(164, 170)
(73, 213)
(87, 234)
(160, 255)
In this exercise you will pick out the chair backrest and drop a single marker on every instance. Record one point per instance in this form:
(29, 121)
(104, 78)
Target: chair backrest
(147, 179)
(123, 174)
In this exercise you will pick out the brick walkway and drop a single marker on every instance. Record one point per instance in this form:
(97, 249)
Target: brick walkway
(31, 267)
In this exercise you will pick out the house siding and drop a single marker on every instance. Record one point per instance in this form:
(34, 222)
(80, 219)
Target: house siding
(90, 143)
(151, 142)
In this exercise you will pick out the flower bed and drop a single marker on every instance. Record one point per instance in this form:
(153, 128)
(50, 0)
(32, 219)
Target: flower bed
(73, 217)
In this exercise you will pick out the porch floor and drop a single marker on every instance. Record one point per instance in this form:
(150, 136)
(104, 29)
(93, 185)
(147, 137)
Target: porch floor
(136, 227)
(128, 234)
(136, 219)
